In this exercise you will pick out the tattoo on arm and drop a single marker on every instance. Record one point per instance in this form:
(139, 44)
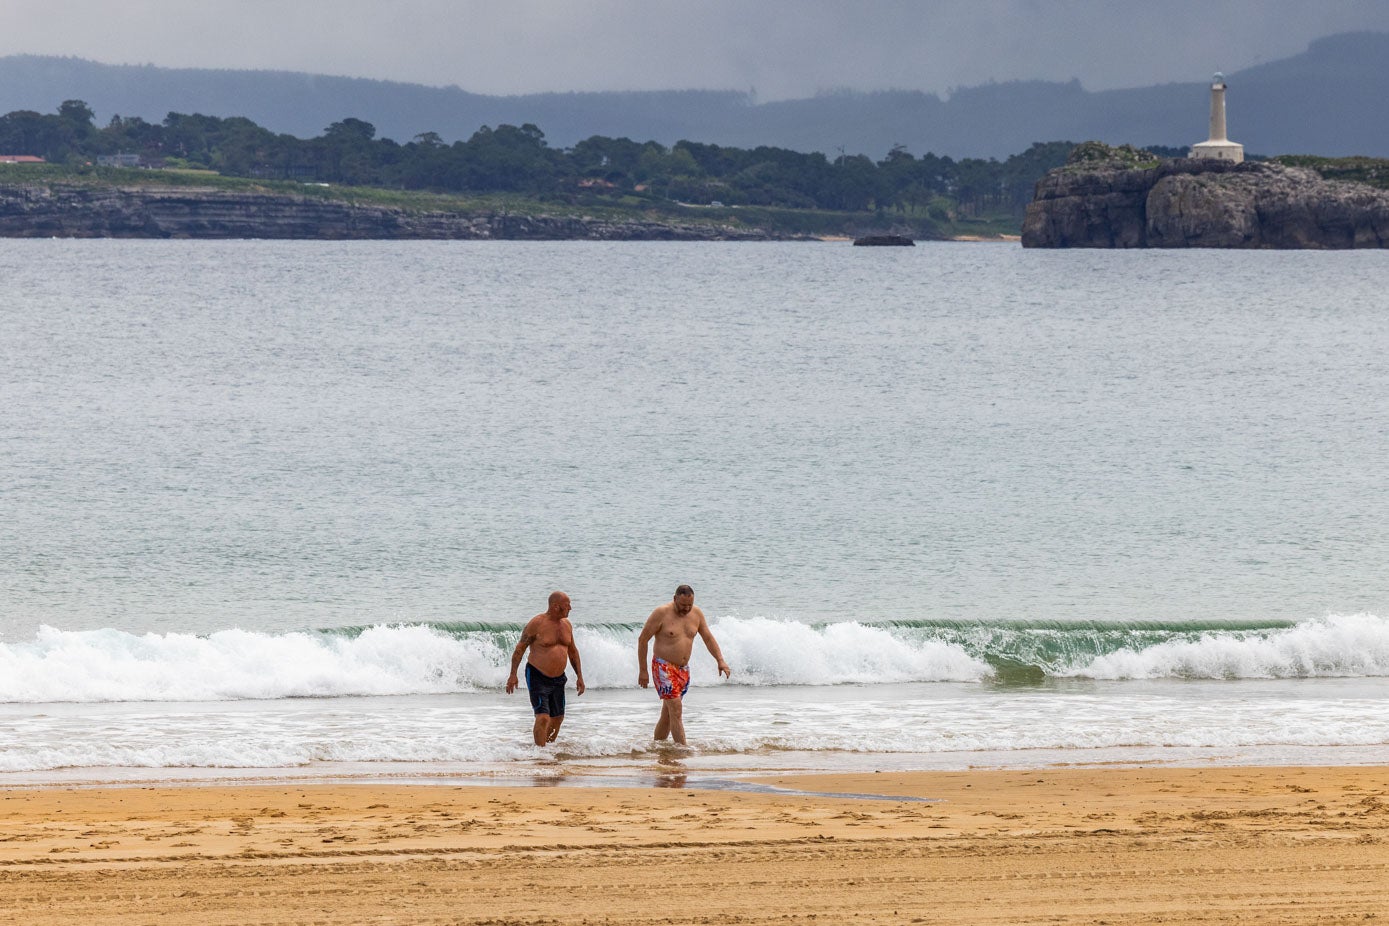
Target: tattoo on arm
(526, 640)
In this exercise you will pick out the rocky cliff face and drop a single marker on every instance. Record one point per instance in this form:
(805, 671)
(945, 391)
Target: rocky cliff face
(70, 211)
(1202, 204)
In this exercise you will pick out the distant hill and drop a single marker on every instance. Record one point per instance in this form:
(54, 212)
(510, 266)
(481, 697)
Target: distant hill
(1329, 100)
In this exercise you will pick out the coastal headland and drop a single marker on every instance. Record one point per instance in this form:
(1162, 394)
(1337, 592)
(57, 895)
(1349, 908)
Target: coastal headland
(59, 210)
(1134, 846)
(1110, 200)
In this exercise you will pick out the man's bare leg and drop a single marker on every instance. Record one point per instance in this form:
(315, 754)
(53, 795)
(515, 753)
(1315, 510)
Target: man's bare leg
(662, 723)
(672, 722)
(541, 729)
(554, 728)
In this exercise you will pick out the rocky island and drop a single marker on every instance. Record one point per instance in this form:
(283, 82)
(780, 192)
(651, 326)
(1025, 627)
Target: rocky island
(59, 210)
(1125, 198)
(885, 241)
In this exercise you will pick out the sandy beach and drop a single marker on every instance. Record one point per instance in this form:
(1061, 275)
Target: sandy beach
(1131, 846)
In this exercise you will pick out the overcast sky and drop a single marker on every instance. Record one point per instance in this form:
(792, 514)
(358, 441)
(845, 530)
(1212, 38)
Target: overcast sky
(781, 48)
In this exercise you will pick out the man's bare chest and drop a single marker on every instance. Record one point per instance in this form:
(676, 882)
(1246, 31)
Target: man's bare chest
(552, 636)
(678, 629)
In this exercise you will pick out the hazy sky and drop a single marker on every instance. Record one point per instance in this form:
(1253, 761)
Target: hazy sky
(780, 47)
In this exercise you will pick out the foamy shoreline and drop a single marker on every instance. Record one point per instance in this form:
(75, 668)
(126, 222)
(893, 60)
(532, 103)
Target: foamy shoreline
(692, 769)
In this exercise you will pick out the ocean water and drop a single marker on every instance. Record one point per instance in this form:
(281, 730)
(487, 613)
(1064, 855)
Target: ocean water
(280, 508)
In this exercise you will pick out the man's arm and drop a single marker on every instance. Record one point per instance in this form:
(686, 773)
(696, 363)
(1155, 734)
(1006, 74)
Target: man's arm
(574, 661)
(713, 646)
(527, 638)
(648, 630)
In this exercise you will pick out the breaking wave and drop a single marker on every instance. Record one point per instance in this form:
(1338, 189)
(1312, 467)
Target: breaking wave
(396, 659)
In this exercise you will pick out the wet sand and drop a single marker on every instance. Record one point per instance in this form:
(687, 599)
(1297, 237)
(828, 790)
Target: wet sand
(1123, 846)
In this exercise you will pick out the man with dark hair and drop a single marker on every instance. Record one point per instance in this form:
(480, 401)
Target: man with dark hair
(550, 638)
(674, 627)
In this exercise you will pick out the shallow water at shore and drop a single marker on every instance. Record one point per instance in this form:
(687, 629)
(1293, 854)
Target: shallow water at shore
(735, 732)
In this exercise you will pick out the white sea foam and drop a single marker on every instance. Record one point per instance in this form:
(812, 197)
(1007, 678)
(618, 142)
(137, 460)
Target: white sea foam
(769, 652)
(110, 665)
(1336, 646)
(730, 727)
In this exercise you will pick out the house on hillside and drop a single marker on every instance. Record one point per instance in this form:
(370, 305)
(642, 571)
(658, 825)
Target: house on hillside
(21, 159)
(118, 160)
(304, 173)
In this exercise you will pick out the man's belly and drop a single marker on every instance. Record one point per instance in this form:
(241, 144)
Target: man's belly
(675, 652)
(551, 660)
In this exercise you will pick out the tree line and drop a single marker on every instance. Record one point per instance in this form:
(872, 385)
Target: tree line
(517, 159)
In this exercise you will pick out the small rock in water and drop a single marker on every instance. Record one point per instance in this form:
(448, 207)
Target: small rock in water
(884, 241)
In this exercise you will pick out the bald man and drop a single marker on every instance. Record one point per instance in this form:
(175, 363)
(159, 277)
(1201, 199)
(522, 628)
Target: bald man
(550, 639)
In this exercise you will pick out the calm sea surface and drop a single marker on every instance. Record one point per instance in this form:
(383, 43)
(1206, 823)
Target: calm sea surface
(279, 507)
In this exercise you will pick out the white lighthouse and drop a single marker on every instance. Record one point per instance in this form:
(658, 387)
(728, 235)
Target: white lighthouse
(1218, 146)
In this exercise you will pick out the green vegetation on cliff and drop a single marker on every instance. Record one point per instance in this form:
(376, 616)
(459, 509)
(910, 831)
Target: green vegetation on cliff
(1371, 171)
(1092, 154)
(513, 168)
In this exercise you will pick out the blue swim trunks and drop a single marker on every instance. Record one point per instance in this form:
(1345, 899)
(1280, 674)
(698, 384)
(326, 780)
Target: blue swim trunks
(546, 691)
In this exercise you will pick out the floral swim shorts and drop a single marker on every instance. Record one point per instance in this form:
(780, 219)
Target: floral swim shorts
(672, 681)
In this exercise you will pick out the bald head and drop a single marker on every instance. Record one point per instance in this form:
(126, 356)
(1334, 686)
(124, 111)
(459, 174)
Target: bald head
(559, 604)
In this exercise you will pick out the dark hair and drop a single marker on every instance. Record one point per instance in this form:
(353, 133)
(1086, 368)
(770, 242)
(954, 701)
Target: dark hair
(684, 590)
